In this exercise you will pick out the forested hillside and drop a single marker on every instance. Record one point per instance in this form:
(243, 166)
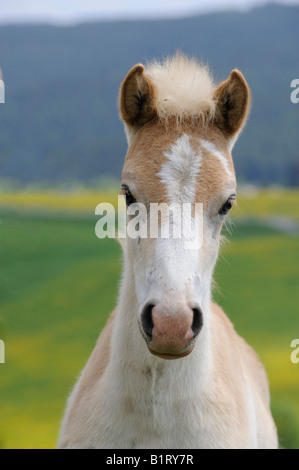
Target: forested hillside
(60, 120)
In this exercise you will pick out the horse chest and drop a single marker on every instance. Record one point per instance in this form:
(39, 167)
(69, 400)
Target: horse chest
(156, 425)
(161, 418)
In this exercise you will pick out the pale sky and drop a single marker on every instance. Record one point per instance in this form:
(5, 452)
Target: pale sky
(73, 11)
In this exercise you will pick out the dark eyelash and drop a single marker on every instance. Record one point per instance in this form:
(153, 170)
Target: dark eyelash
(226, 206)
(129, 197)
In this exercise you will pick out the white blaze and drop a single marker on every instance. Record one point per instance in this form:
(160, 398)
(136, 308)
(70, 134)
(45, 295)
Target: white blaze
(179, 173)
(177, 262)
(210, 147)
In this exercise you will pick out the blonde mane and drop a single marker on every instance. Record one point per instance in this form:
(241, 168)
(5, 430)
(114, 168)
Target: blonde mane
(185, 88)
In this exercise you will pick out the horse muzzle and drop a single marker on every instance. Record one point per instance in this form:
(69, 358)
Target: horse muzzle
(170, 331)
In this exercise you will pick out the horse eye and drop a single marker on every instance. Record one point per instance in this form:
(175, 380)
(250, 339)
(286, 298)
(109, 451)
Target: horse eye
(226, 207)
(129, 197)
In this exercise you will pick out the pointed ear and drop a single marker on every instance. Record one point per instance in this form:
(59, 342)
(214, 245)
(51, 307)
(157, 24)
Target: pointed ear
(232, 104)
(137, 99)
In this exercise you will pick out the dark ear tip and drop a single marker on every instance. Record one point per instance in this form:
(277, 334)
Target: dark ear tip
(137, 97)
(236, 75)
(237, 80)
(137, 69)
(233, 102)
(236, 72)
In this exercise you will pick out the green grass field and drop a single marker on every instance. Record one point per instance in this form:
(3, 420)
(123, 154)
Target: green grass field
(58, 284)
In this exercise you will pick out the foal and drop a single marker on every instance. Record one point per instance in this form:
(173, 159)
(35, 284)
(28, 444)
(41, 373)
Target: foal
(169, 370)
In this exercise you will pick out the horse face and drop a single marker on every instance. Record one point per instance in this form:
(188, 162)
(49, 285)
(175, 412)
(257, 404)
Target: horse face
(172, 179)
(184, 165)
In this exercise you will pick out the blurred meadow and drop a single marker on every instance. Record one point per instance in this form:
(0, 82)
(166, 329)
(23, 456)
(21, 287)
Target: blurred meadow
(62, 147)
(59, 282)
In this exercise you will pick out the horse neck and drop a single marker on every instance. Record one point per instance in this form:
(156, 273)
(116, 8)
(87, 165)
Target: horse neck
(131, 360)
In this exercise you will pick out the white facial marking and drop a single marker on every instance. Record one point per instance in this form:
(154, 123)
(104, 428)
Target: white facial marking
(175, 265)
(210, 147)
(181, 170)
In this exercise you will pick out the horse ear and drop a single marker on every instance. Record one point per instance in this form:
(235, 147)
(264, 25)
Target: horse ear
(137, 99)
(232, 104)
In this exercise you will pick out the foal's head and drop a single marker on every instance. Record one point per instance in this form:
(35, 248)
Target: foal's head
(180, 130)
